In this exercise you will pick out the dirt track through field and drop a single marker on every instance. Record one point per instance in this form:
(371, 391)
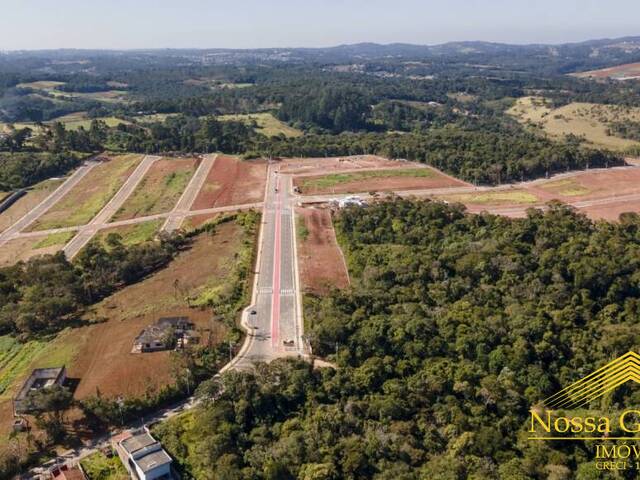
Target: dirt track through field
(184, 204)
(88, 231)
(47, 203)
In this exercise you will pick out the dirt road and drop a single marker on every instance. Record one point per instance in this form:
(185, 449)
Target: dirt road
(47, 203)
(180, 211)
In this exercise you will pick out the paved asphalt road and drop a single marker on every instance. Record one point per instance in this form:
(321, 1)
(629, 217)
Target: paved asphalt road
(275, 329)
(47, 203)
(180, 211)
(87, 232)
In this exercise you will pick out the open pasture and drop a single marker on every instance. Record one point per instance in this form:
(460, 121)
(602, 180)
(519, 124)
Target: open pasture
(160, 188)
(587, 120)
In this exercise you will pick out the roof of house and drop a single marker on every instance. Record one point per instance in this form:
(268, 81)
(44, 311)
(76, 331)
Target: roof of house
(138, 442)
(153, 460)
(158, 331)
(152, 333)
(72, 474)
(146, 451)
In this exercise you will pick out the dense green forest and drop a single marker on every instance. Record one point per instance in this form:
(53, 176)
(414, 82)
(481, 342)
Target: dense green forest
(21, 170)
(455, 325)
(476, 156)
(492, 155)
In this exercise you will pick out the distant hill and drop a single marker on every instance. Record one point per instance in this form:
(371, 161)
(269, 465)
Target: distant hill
(547, 58)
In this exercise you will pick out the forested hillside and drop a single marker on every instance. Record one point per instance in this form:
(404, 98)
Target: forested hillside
(445, 105)
(454, 327)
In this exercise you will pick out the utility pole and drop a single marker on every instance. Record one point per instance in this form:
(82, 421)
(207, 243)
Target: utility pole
(120, 401)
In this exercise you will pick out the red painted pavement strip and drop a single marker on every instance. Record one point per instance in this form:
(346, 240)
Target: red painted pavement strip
(275, 301)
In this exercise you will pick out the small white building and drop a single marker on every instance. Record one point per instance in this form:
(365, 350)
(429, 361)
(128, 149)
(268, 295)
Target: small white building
(144, 457)
(352, 200)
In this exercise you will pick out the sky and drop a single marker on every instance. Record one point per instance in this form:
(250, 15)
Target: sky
(127, 24)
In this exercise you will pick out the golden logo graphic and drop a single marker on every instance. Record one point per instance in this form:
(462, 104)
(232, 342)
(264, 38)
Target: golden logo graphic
(600, 382)
(566, 416)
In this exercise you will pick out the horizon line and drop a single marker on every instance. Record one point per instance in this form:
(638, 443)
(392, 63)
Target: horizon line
(326, 47)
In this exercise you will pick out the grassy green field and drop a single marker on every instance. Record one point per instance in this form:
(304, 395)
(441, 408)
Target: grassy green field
(154, 117)
(98, 467)
(17, 359)
(88, 197)
(54, 239)
(109, 96)
(133, 234)
(235, 85)
(41, 85)
(72, 121)
(14, 360)
(582, 119)
(494, 198)
(159, 190)
(567, 187)
(334, 179)
(49, 87)
(267, 124)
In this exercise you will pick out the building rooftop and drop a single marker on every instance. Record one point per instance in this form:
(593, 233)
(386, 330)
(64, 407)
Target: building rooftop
(73, 473)
(153, 460)
(152, 333)
(138, 442)
(144, 450)
(176, 322)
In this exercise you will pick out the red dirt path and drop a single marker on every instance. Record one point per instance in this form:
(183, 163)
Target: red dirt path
(321, 263)
(232, 181)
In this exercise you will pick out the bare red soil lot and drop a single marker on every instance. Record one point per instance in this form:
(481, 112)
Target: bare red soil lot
(232, 181)
(322, 265)
(600, 194)
(602, 183)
